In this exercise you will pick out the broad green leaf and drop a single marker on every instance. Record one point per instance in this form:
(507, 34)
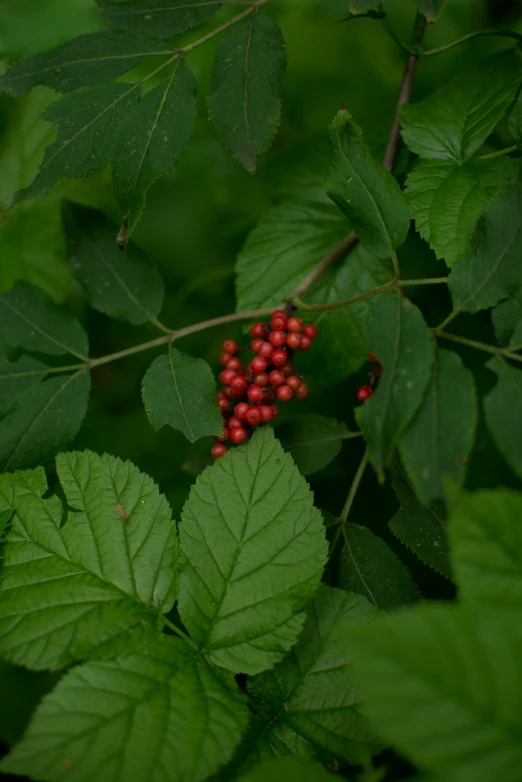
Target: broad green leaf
(287, 769)
(515, 121)
(30, 320)
(492, 270)
(38, 414)
(253, 550)
(5, 517)
(161, 714)
(503, 409)
(367, 194)
(421, 527)
(180, 391)
(442, 683)
(399, 337)
(151, 140)
(447, 199)
(21, 690)
(159, 17)
(486, 544)
(506, 316)
(309, 704)
(454, 122)
(313, 441)
(244, 102)
(437, 442)
(431, 9)
(83, 588)
(370, 568)
(88, 60)
(124, 285)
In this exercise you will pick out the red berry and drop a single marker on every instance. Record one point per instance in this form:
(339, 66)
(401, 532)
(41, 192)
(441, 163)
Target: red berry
(293, 382)
(276, 378)
(278, 323)
(224, 405)
(278, 357)
(224, 357)
(258, 330)
(238, 435)
(284, 393)
(268, 397)
(294, 324)
(229, 346)
(235, 365)
(267, 413)
(220, 394)
(287, 369)
(223, 437)
(253, 417)
(293, 340)
(238, 385)
(219, 449)
(306, 342)
(275, 409)
(227, 391)
(266, 350)
(255, 394)
(309, 330)
(234, 422)
(258, 364)
(261, 380)
(255, 345)
(240, 410)
(226, 376)
(364, 393)
(302, 391)
(277, 338)
(279, 314)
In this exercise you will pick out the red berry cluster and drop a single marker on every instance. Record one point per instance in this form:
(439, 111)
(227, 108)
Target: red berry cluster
(365, 392)
(248, 396)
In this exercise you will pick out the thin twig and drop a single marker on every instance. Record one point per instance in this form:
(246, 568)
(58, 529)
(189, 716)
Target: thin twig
(499, 153)
(477, 34)
(472, 343)
(353, 488)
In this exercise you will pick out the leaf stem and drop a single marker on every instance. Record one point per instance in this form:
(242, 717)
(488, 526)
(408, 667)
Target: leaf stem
(391, 32)
(179, 632)
(477, 34)
(221, 29)
(395, 262)
(499, 153)
(353, 488)
(472, 343)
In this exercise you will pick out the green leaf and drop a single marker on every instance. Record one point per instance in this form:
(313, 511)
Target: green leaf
(506, 316)
(5, 517)
(431, 9)
(309, 704)
(421, 527)
(30, 320)
(159, 17)
(437, 443)
(442, 683)
(313, 441)
(503, 409)
(244, 101)
(253, 550)
(486, 539)
(124, 285)
(95, 58)
(515, 120)
(161, 714)
(492, 270)
(79, 589)
(367, 194)
(151, 141)
(370, 568)
(399, 337)
(447, 199)
(180, 391)
(287, 769)
(455, 121)
(38, 414)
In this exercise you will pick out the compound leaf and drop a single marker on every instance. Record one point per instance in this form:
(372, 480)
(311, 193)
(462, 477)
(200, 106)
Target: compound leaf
(159, 17)
(159, 714)
(78, 590)
(313, 441)
(503, 409)
(253, 550)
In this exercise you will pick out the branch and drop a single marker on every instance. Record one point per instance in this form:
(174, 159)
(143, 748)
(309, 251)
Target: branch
(472, 343)
(388, 286)
(477, 34)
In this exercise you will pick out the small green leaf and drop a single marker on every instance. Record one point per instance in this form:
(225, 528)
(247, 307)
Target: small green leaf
(71, 591)
(370, 568)
(506, 316)
(431, 9)
(244, 102)
(253, 550)
(313, 441)
(455, 121)
(503, 409)
(309, 705)
(160, 714)
(30, 320)
(399, 337)
(437, 442)
(180, 391)
(515, 121)
(447, 199)
(159, 17)
(124, 285)
(367, 194)
(287, 769)
(421, 527)
(88, 60)
(486, 538)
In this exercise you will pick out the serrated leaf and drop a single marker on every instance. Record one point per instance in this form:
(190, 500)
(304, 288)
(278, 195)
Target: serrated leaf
(180, 391)
(442, 683)
(399, 337)
(421, 527)
(244, 101)
(447, 199)
(151, 141)
(75, 590)
(431, 9)
(486, 545)
(85, 61)
(492, 270)
(454, 122)
(506, 316)
(123, 285)
(287, 769)
(370, 568)
(160, 714)
(38, 414)
(30, 320)
(367, 194)
(437, 442)
(313, 441)
(503, 410)
(159, 17)
(309, 704)
(253, 550)
(515, 121)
